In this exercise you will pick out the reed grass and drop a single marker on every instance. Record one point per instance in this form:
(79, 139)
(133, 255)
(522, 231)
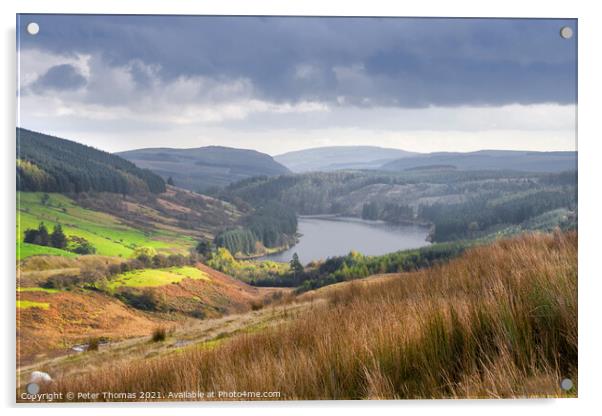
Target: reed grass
(499, 321)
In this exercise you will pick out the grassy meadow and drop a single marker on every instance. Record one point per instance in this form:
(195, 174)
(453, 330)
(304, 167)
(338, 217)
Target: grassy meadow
(106, 233)
(157, 277)
(499, 321)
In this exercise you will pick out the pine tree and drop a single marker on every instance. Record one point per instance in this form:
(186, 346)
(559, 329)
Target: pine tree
(170, 181)
(44, 199)
(42, 239)
(31, 236)
(296, 266)
(204, 248)
(58, 238)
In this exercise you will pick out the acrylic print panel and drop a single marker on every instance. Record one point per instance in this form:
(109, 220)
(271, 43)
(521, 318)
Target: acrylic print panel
(295, 208)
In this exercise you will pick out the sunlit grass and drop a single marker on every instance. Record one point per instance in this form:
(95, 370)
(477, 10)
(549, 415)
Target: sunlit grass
(26, 304)
(106, 233)
(25, 250)
(499, 321)
(157, 277)
(37, 289)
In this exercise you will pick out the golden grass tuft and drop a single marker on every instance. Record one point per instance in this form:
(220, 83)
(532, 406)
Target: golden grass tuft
(499, 321)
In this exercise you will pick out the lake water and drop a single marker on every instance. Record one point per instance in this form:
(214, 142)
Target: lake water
(324, 237)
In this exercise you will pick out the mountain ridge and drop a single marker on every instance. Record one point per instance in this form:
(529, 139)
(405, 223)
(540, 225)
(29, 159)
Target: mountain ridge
(202, 168)
(519, 160)
(331, 158)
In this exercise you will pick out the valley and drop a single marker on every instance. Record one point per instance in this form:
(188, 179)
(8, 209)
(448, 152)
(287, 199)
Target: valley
(322, 237)
(127, 275)
(457, 205)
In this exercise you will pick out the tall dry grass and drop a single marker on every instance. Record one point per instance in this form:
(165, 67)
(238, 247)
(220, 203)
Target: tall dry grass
(500, 321)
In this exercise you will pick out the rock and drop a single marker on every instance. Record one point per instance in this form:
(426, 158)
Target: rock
(80, 348)
(40, 377)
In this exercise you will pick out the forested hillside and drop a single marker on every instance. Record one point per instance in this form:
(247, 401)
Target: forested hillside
(459, 204)
(137, 200)
(50, 164)
(270, 226)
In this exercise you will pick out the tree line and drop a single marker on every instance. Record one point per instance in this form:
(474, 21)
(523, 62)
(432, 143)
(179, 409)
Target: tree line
(474, 216)
(272, 225)
(387, 211)
(57, 239)
(355, 266)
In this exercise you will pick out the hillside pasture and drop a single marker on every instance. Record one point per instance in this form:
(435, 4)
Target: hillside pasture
(157, 277)
(108, 235)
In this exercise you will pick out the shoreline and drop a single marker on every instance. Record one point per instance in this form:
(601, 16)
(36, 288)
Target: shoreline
(336, 217)
(270, 251)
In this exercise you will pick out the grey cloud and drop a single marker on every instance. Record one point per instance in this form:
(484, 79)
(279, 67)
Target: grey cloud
(404, 62)
(59, 77)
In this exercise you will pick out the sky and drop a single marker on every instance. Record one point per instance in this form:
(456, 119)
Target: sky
(278, 84)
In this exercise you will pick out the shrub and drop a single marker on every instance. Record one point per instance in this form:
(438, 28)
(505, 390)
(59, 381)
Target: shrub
(146, 300)
(159, 334)
(80, 245)
(159, 260)
(256, 305)
(114, 269)
(93, 344)
(39, 236)
(92, 275)
(204, 248)
(144, 251)
(198, 313)
(61, 281)
(176, 260)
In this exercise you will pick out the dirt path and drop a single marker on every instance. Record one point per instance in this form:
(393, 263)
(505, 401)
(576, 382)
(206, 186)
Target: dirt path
(190, 333)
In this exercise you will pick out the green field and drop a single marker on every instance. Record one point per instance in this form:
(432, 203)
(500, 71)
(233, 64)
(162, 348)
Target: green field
(26, 304)
(157, 277)
(37, 289)
(25, 250)
(105, 232)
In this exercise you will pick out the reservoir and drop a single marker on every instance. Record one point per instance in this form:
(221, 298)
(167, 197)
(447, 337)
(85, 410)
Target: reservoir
(328, 236)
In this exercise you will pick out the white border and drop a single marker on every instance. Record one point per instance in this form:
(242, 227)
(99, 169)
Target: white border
(590, 150)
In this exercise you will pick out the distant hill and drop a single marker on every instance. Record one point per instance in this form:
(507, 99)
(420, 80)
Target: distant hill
(490, 160)
(205, 167)
(332, 158)
(51, 164)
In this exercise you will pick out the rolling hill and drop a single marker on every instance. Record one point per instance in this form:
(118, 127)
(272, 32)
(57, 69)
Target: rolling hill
(171, 223)
(205, 167)
(490, 160)
(459, 203)
(51, 164)
(84, 313)
(332, 158)
(96, 284)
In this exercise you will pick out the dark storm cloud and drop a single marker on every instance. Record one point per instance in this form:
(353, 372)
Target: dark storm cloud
(59, 77)
(356, 61)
